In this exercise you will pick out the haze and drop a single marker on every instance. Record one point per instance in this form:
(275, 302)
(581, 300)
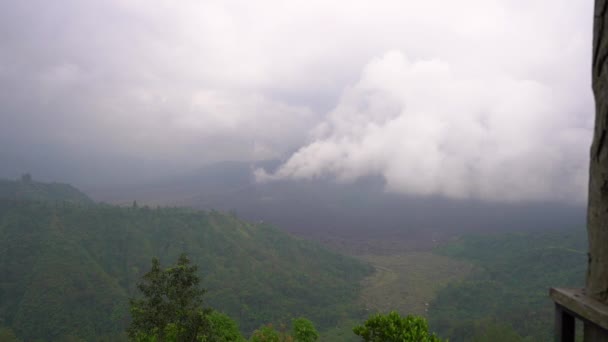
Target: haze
(477, 99)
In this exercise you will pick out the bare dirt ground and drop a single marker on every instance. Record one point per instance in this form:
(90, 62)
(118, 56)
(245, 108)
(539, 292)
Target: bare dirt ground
(408, 282)
(408, 273)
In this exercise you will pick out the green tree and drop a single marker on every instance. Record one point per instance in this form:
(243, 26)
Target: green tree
(303, 330)
(172, 306)
(394, 328)
(267, 333)
(222, 328)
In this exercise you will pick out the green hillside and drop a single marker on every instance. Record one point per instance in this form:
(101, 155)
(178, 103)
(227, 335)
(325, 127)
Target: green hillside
(27, 189)
(511, 283)
(68, 269)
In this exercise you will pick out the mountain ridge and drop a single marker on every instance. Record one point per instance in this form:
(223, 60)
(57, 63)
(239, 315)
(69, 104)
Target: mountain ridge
(70, 268)
(26, 188)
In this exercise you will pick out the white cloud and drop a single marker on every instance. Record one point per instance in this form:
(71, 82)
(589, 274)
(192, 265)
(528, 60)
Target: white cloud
(428, 131)
(165, 80)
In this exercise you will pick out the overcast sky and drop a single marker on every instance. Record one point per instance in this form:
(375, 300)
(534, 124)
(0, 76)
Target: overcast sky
(481, 99)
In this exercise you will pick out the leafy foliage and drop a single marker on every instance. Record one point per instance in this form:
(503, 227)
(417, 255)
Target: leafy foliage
(69, 268)
(266, 333)
(172, 305)
(510, 285)
(392, 327)
(303, 330)
(222, 328)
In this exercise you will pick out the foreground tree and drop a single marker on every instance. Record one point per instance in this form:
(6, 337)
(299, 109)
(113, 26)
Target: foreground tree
(303, 330)
(172, 305)
(222, 328)
(266, 333)
(394, 328)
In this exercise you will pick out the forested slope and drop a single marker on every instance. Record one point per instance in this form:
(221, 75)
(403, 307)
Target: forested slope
(509, 289)
(68, 269)
(27, 189)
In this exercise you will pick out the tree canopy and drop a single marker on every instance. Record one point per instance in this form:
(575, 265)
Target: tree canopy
(392, 327)
(69, 268)
(303, 330)
(172, 305)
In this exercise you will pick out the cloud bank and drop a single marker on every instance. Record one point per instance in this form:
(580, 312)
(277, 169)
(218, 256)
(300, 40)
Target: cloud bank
(428, 131)
(475, 98)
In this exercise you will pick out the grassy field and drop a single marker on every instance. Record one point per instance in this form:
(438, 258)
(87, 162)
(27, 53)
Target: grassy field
(408, 282)
(405, 280)
(409, 272)
(436, 276)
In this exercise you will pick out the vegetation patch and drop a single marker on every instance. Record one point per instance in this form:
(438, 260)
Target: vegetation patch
(408, 282)
(507, 294)
(68, 269)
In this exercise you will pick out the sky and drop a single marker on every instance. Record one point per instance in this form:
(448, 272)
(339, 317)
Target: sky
(483, 99)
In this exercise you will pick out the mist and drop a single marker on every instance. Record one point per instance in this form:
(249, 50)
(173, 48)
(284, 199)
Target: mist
(485, 100)
(428, 131)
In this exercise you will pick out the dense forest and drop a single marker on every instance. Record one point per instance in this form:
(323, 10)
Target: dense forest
(28, 189)
(69, 267)
(508, 290)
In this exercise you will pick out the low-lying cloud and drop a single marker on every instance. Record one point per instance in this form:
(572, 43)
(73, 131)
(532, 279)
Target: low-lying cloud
(430, 131)
(470, 98)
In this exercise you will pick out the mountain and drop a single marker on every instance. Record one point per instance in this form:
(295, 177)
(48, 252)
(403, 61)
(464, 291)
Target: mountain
(27, 189)
(510, 285)
(322, 207)
(68, 269)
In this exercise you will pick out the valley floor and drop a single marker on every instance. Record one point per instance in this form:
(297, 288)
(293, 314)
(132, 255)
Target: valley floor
(408, 273)
(408, 282)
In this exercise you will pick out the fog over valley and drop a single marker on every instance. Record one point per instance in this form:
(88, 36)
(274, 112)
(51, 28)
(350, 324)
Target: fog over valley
(298, 171)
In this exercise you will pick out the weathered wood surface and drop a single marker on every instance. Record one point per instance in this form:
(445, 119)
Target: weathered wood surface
(591, 304)
(593, 333)
(565, 328)
(583, 306)
(597, 218)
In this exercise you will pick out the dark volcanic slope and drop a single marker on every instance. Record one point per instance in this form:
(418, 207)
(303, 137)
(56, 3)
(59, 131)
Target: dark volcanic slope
(322, 207)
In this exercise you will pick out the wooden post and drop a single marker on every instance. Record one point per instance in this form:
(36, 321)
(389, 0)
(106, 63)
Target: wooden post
(597, 215)
(593, 333)
(591, 303)
(564, 325)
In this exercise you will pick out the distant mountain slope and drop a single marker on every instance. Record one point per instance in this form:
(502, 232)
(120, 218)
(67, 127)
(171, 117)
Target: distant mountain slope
(511, 284)
(27, 189)
(321, 207)
(69, 269)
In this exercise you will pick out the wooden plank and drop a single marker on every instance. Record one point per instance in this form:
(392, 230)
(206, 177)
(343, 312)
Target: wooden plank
(564, 325)
(593, 333)
(597, 213)
(583, 306)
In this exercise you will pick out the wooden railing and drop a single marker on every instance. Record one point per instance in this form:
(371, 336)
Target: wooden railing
(572, 304)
